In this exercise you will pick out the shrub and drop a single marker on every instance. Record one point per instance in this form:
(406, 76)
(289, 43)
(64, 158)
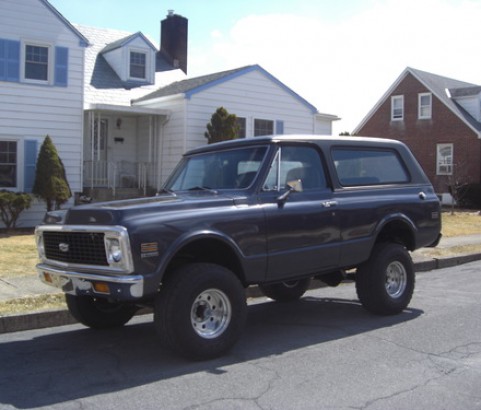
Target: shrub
(222, 126)
(469, 196)
(12, 204)
(51, 183)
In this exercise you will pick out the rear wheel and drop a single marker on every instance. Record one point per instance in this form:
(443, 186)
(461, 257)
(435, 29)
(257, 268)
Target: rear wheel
(385, 283)
(286, 291)
(200, 311)
(99, 313)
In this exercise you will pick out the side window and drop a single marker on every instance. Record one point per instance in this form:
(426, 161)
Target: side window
(397, 107)
(8, 164)
(138, 65)
(241, 127)
(357, 167)
(444, 159)
(294, 163)
(36, 62)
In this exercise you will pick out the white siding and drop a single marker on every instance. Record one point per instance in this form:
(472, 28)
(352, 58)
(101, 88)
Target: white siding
(173, 143)
(29, 111)
(252, 96)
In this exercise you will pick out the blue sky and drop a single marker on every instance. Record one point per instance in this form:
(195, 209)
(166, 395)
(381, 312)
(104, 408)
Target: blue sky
(341, 55)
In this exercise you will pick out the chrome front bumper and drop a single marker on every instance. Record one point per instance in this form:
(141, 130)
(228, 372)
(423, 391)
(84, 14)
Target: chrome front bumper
(127, 288)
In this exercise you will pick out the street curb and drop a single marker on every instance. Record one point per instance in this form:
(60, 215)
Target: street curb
(54, 318)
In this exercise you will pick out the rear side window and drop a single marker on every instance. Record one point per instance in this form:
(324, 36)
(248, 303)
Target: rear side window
(357, 167)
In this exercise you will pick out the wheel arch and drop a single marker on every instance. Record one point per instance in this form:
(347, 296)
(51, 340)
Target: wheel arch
(205, 247)
(397, 229)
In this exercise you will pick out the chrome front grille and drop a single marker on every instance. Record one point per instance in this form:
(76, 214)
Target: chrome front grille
(86, 248)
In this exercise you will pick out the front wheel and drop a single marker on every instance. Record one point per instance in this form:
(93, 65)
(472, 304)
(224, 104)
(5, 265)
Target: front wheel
(99, 313)
(286, 291)
(200, 311)
(385, 283)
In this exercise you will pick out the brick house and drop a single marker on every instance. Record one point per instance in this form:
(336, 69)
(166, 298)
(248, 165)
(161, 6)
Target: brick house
(439, 118)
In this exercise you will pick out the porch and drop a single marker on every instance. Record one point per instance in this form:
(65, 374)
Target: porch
(106, 180)
(122, 151)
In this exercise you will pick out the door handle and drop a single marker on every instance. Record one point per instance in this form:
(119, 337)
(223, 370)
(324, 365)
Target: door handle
(329, 204)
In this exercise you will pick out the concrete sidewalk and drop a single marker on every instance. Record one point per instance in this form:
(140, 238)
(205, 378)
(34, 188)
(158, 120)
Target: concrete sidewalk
(30, 286)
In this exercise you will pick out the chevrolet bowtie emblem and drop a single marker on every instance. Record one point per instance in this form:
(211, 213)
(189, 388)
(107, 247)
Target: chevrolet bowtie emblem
(63, 247)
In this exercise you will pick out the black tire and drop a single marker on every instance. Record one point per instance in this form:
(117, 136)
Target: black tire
(286, 291)
(99, 313)
(385, 283)
(200, 311)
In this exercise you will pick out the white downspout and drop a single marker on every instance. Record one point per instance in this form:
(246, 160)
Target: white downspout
(92, 136)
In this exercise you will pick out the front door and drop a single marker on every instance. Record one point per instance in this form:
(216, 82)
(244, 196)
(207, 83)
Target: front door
(101, 128)
(99, 150)
(303, 231)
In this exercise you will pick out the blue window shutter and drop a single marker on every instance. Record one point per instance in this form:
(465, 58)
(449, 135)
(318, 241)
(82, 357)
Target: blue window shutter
(30, 160)
(279, 127)
(9, 60)
(61, 66)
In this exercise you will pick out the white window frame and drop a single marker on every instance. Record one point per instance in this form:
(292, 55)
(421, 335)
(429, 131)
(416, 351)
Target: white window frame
(394, 116)
(425, 111)
(444, 163)
(146, 53)
(23, 61)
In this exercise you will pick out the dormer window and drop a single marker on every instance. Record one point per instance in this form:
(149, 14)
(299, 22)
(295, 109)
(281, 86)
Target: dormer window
(138, 63)
(132, 58)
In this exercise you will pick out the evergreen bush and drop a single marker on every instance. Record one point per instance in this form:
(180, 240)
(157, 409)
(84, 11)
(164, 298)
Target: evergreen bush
(51, 183)
(222, 126)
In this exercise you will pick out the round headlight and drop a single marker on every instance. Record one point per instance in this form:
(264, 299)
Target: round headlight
(117, 255)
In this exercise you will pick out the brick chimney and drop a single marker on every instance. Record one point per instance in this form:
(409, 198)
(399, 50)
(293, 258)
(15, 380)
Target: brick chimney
(173, 40)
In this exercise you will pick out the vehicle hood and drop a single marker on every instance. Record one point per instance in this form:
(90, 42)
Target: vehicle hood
(124, 212)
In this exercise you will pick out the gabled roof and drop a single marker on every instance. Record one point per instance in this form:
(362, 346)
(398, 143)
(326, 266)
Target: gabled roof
(442, 87)
(83, 40)
(102, 84)
(121, 42)
(195, 85)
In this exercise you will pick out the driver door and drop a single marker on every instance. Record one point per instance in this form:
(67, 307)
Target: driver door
(303, 230)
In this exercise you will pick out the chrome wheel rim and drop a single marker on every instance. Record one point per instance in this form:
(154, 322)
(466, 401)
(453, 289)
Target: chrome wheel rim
(211, 313)
(396, 279)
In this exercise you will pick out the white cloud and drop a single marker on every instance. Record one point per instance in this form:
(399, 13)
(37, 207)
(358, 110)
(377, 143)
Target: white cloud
(344, 68)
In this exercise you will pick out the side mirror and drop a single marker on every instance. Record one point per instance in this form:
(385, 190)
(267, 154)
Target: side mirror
(293, 186)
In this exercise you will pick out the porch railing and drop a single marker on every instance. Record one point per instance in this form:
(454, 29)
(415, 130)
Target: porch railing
(121, 174)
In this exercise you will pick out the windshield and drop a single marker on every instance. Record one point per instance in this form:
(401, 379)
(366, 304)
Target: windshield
(230, 169)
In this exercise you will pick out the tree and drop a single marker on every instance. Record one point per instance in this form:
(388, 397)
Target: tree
(12, 204)
(222, 127)
(344, 134)
(51, 183)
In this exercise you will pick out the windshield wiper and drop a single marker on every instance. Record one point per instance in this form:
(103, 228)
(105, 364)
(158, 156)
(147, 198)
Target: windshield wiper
(203, 188)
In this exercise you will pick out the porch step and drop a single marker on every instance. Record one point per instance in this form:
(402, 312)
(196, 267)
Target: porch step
(107, 194)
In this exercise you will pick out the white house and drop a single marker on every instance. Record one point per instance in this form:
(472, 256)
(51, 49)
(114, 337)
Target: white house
(262, 104)
(120, 109)
(142, 111)
(41, 93)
